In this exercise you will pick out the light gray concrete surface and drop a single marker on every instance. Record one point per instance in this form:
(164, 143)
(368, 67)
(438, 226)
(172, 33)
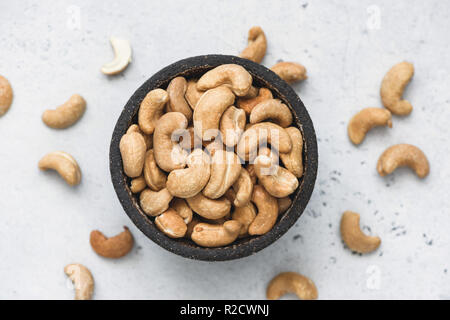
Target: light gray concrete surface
(52, 49)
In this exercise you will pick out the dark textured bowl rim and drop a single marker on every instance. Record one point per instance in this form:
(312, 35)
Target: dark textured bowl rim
(281, 89)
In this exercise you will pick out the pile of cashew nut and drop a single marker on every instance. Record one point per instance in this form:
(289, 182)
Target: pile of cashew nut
(208, 169)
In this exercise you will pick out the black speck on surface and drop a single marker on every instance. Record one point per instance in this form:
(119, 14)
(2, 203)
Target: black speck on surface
(330, 225)
(297, 236)
(305, 5)
(445, 271)
(324, 204)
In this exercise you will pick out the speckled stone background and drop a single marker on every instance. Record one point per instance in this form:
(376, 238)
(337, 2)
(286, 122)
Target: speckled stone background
(50, 50)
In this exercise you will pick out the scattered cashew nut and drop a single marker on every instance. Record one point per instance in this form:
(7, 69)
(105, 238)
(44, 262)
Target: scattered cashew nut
(114, 247)
(290, 71)
(122, 52)
(232, 125)
(64, 164)
(151, 109)
(154, 203)
(353, 237)
(65, 115)
(233, 75)
(132, 149)
(257, 45)
(272, 109)
(392, 87)
(365, 120)
(249, 103)
(267, 211)
(213, 235)
(293, 160)
(171, 224)
(177, 101)
(6, 95)
(291, 282)
(209, 208)
(82, 280)
(403, 155)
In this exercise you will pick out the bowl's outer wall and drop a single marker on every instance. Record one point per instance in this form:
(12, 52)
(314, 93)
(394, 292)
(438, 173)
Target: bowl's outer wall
(195, 66)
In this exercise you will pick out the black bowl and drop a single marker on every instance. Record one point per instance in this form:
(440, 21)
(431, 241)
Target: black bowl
(193, 67)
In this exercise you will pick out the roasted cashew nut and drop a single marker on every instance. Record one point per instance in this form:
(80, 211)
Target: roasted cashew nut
(122, 52)
(233, 75)
(192, 94)
(403, 155)
(209, 110)
(244, 214)
(267, 211)
(365, 120)
(6, 95)
(353, 237)
(225, 170)
(290, 71)
(154, 203)
(186, 183)
(65, 115)
(293, 160)
(132, 149)
(291, 282)
(82, 280)
(191, 225)
(213, 235)
(243, 188)
(138, 184)
(154, 177)
(283, 204)
(252, 173)
(147, 137)
(182, 209)
(171, 224)
(64, 164)
(177, 102)
(232, 125)
(168, 154)
(212, 146)
(392, 87)
(272, 109)
(114, 247)
(247, 104)
(257, 45)
(209, 208)
(151, 109)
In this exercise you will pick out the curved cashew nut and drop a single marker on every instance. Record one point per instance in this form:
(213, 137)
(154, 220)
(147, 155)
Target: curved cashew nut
(188, 140)
(290, 71)
(209, 208)
(232, 75)
(209, 110)
(182, 209)
(171, 224)
(154, 177)
(232, 125)
(154, 203)
(168, 154)
(192, 94)
(353, 237)
(245, 215)
(82, 280)
(151, 109)
(147, 137)
(257, 45)
(190, 227)
(267, 211)
(291, 282)
(186, 183)
(243, 188)
(225, 170)
(132, 149)
(293, 160)
(252, 93)
(272, 109)
(365, 120)
(252, 173)
(64, 164)
(392, 87)
(212, 146)
(213, 235)
(122, 52)
(249, 103)
(6, 95)
(114, 247)
(177, 102)
(283, 204)
(138, 184)
(403, 155)
(65, 115)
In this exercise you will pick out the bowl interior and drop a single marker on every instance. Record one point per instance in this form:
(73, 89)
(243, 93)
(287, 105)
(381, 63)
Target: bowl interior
(192, 68)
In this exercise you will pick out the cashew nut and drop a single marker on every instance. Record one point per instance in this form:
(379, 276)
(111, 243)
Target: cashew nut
(177, 102)
(213, 235)
(244, 214)
(225, 170)
(403, 155)
(249, 103)
(192, 94)
(233, 75)
(267, 211)
(190, 227)
(122, 52)
(283, 204)
(155, 178)
(114, 247)
(209, 208)
(252, 173)
(168, 154)
(182, 209)
(188, 140)
(257, 45)
(186, 183)
(6, 95)
(151, 109)
(293, 160)
(65, 115)
(353, 237)
(209, 110)
(252, 93)
(138, 184)
(132, 148)
(272, 109)
(232, 125)
(243, 188)
(212, 146)
(154, 203)
(365, 120)
(392, 87)
(64, 164)
(147, 137)
(291, 282)
(290, 71)
(82, 280)
(171, 224)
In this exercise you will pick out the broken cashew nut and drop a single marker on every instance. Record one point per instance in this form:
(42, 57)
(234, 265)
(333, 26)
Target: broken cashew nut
(267, 211)
(177, 101)
(154, 203)
(403, 155)
(6, 95)
(257, 45)
(213, 235)
(209, 208)
(247, 104)
(65, 115)
(232, 125)
(353, 237)
(365, 120)
(114, 247)
(122, 52)
(293, 160)
(171, 224)
(290, 71)
(392, 87)
(82, 280)
(132, 149)
(233, 75)
(291, 282)
(151, 109)
(64, 164)
(272, 109)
